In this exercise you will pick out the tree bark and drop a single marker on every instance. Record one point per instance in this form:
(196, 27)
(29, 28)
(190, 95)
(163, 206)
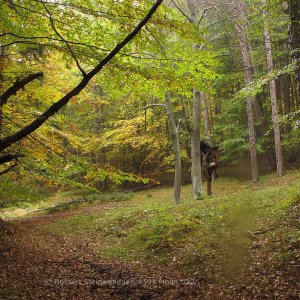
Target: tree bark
(196, 173)
(176, 147)
(192, 9)
(293, 10)
(2, 55)
(19, 84)
(286, 96)
(275, 119)
(237, 8)
(205, 114)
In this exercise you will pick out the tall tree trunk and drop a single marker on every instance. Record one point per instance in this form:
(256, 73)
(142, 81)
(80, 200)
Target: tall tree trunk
(275, 119)
(176, 147)
(286, 91)
(206, 114)
(237, 7)
(2, 55)
(192, 9)
(286, 96)
(293, 10)
(196, 173)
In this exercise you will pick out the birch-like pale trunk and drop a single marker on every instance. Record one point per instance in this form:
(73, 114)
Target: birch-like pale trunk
(176, 147)
(196, 173)
(237, 8)
(275, 119)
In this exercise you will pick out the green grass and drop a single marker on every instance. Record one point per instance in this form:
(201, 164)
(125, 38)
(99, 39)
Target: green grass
(189, 235)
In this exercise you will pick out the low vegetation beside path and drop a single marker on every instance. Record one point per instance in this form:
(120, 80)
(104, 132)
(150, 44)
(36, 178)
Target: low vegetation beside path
(210, 238)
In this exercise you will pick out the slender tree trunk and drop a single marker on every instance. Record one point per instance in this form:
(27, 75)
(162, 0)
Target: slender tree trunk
(275, 119)
(195, 147)
(2, 55)
(176, 147)
(286, 91)
(237, 8)
(293, 10)
(205, 114)
(286, 96)
(192, 9)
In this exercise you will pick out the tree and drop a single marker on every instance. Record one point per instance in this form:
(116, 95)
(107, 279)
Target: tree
(176, 147)
(293, 9)
(54, 108)
(239, 19)
(207, 126)
(196, 173)
(275, 119)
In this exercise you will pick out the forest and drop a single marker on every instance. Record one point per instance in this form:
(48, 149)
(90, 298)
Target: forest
(149, 149)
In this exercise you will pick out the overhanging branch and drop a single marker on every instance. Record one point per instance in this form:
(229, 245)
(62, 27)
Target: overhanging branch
(54, 108)
(64, 40)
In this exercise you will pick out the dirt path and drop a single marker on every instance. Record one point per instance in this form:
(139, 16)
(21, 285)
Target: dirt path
(40, 265)
(43, 266)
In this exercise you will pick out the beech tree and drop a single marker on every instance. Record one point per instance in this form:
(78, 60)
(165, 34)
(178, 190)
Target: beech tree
(196, 173)
(275, 119)
(176, 147)
(103, 139)
(293, 9)
(238, 10)
(87, 76)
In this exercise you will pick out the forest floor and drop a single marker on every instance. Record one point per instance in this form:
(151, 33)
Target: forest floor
(243, 243)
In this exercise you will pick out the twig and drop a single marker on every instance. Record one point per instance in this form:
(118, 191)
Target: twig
(182, 12)
(64, 40)
(154, 104)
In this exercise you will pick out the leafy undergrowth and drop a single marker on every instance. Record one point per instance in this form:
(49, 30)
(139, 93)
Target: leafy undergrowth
(209, 238)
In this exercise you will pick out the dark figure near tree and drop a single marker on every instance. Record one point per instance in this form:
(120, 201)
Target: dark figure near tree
(210, 161)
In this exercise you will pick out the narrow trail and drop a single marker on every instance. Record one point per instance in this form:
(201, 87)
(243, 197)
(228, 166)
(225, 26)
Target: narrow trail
(41, 265)
(235, 255)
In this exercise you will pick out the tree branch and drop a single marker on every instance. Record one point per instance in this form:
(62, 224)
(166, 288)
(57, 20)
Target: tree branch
(154, 104)
(64, 40)
(54, 108)
(9, 157)
(182, 12)
(50, 39)
(19, 84)
(8, 169)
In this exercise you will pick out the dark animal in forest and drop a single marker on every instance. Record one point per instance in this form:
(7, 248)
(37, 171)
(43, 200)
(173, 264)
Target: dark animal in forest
(210, 161)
